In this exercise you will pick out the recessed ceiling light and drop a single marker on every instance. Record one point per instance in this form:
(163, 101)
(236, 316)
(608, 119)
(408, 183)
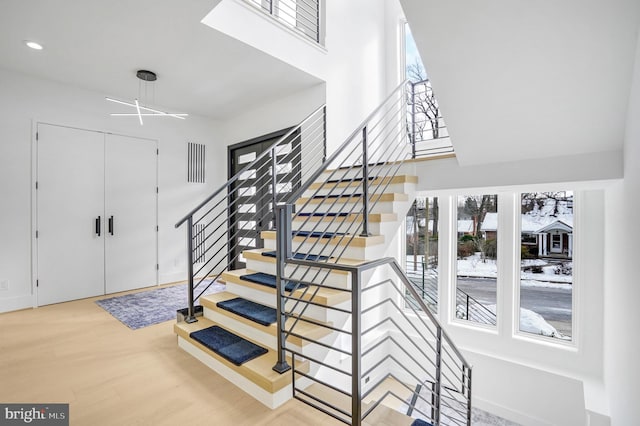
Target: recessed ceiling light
(33, 45)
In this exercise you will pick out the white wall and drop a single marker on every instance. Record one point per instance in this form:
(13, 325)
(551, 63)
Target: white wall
(447, 173)
(622, 346)
(258, 120)
(356, 73)
(26, 100)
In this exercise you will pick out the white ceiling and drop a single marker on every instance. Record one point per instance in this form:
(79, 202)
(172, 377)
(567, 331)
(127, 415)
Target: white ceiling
(99, 45)
(521, 79)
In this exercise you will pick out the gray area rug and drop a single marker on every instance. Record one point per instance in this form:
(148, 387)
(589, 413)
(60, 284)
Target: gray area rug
(150, 307)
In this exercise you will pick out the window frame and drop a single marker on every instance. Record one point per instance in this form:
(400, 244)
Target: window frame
(518, 334)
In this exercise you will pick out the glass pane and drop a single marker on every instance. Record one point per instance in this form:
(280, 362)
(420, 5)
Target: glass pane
(283, 149)
(476, 266)
(546, 267)
(246, 158)
(247, 208)
(249, 174)
(422, 249)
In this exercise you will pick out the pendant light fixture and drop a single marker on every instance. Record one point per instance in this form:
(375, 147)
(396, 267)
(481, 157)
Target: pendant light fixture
(146, 79)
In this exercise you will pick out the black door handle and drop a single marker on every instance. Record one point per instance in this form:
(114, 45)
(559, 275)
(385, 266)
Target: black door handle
(111, 225)
(98, 225)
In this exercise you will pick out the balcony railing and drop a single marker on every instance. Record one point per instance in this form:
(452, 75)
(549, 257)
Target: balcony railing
(300, 15)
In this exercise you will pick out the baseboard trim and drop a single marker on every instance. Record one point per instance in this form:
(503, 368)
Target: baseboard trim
(16, 303)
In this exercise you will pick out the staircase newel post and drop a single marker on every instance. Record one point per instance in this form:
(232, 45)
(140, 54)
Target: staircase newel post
(283, 252)
(356, 350)
(438, 378)
(365, 185)
(191, 317)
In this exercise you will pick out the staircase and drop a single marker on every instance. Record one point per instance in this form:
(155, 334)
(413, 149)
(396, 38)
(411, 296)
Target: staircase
(320, 312)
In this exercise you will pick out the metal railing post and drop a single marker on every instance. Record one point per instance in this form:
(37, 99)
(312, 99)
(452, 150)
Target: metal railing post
(469, 397)
(324, 135)
(438, 376)
(413, 120)
(317, 4)
(356, 350)
(191, 317)
(365, 185)
(423, 278)
(283, 252)
(274, 183)
(467, 317)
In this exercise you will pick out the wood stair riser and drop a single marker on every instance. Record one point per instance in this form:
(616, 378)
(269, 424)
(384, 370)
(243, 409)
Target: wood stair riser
(255, 377)
(270, 399)
(375, 228)
(327, 277)
(268, 298)
(373, 252)
(264, 337)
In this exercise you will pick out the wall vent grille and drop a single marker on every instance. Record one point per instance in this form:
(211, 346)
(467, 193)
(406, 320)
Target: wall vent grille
(195, 162)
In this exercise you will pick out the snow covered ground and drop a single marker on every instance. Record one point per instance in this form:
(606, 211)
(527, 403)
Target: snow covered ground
(474, 266)
(530, 322)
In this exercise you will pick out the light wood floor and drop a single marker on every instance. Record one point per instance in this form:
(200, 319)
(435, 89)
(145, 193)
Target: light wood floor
(79, 354)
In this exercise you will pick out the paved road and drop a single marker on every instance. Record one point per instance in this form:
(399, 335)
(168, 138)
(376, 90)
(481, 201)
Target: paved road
(554, 304)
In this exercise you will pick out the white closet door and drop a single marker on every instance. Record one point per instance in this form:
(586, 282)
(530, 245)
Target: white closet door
(131, 218)
(70, 204)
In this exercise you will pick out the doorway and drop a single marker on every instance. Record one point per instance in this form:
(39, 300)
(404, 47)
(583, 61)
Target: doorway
(96, 213)
(251, 199)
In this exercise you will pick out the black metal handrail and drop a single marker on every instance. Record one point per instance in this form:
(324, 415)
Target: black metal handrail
(367, 162)
(215, 227)
(448, 373)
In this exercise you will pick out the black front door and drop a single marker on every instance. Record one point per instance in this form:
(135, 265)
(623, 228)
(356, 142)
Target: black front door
(251, 200)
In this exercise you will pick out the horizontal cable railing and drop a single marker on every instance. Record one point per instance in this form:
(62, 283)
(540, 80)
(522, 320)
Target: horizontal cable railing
(425, 281)
(299, 15)
(428, 132)
(231, 219)
(378, 341)
(398, 357)
(339, 197)
(471, 309)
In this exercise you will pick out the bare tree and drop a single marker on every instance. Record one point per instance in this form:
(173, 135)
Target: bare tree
(537, 200)
(424, 102)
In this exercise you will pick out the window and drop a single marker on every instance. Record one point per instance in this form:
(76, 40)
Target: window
(546, 264)
(422, 249)
(477, 252)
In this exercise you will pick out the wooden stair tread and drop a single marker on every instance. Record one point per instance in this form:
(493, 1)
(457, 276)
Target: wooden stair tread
(377, 181)
(353, 217)
(324, 296)
(390, 384)
(387, 196)
(357, 240)
(258, 370)
(305, 329)
(256, 254)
